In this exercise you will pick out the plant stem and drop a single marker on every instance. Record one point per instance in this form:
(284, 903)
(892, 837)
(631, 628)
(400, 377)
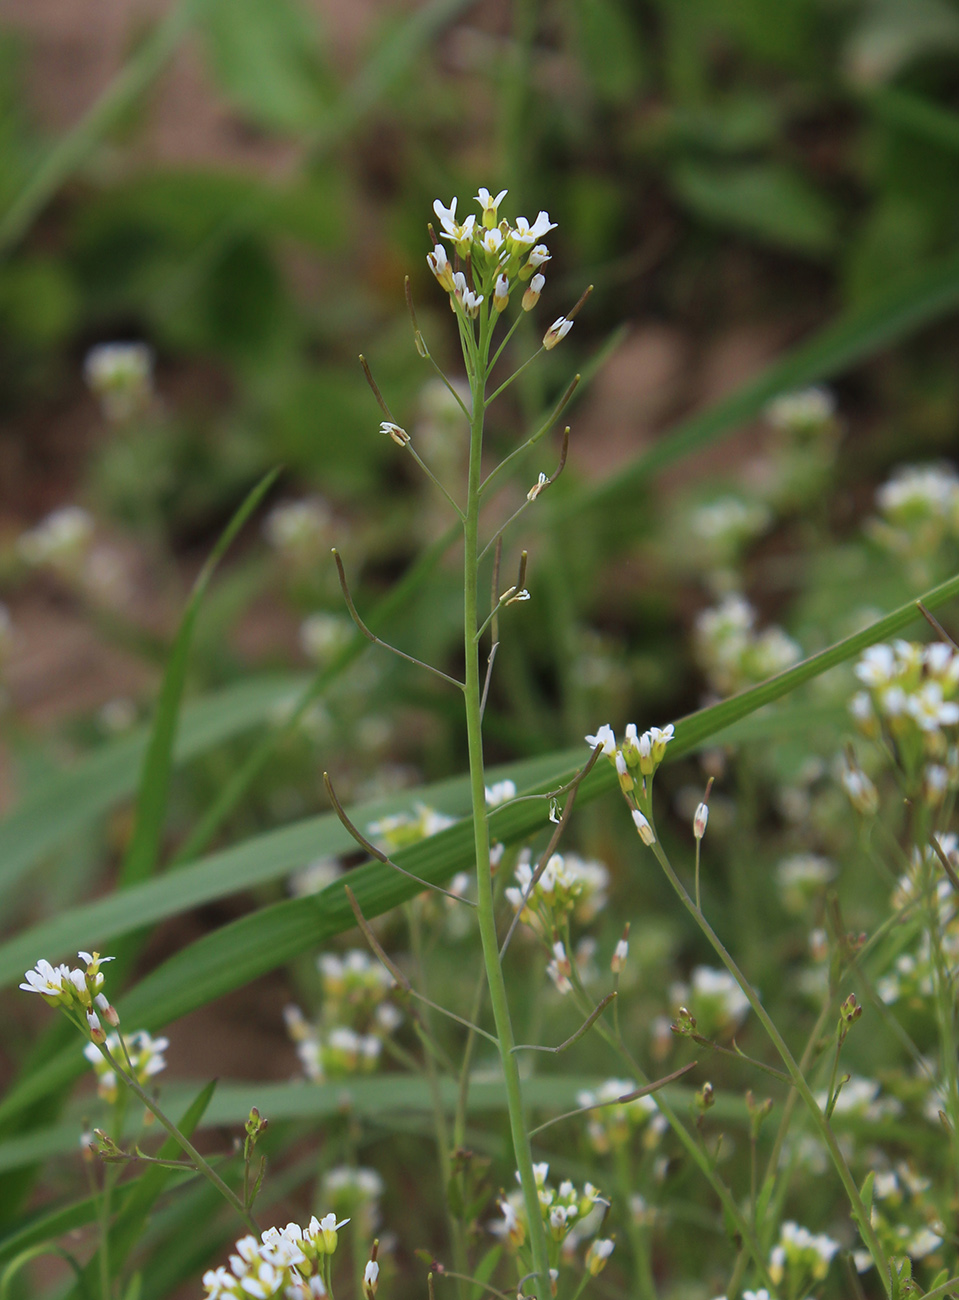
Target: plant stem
(487, 920)
(201, 1165)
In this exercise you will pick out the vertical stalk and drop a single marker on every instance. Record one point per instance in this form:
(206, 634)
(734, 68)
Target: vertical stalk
(487, 920)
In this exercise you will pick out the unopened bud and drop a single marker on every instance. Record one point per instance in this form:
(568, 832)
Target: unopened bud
(501, 293)
(626, 782)
(533, 290)
(684, 1024)
(557, 331)
(597, 1255)
(646, 833)
(700, 820)
(705, 1098)
(439, 264)
(620, 953)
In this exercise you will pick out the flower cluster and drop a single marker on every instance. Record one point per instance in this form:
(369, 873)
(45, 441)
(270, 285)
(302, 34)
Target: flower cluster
(902, 1215)
(636, 760)
(292, 1262)
(613, 1122)
(61, 541)
(569, 886)
(719, 531)
(569, 1216)
(927, 899)
(120, 375)
(403, 828)
(355, 1193)
(809, 410)
(733, 654)
(918, 510)
(356, 1017)
(142, 1051)
(912, 701)
(802, 877)
(299, 530)
(77, 992)
(483, 261)
(800, 1257)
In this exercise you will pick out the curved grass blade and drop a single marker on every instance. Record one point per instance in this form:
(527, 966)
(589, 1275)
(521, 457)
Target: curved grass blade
(260, 942)
(71, 150)
(893, 314)
(143, 853)
(73, 799)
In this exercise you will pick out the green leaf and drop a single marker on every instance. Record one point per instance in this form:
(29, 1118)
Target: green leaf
(771, 201)
(144, 850)
(237, 953)
(70, 801)
(264, 55)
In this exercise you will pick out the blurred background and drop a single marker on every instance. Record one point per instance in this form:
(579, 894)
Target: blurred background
(763, 197)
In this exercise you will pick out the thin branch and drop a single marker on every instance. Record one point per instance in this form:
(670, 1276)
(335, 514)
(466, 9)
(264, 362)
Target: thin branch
(380, 856)
(398, 975)
(536, 437)
(424, 351)
(509, 334)
(434, 480)
(380, 399)
(741, 1056)
(947, 866)
(534, 492)
(489, 674)
(515, 375)
(596, 1012)
(382, 403)
(573, 787)
(936, 625)
(619, 1101)
(464, 1277)
(371, 636)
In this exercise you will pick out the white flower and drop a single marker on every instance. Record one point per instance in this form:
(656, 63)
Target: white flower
(605, 737)
(524, 233)
(491, 241)
(451, 227)
(808, 407)
(489, 205)
(500, 792)
(46, 979)
(60, 540)
(538, 257)
(929, 709)
(877, 667)
(399, 435)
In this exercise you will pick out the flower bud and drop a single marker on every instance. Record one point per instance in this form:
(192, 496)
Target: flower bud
(642, 825)
(534, 289)
(557, 331)
(626, 782)
(620, 953)
(699, 821)
(501, 293)
(597, 1255)
(439, 264)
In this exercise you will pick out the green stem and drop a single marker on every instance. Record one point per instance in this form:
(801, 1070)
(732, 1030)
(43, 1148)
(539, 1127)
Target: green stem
(487, 920)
